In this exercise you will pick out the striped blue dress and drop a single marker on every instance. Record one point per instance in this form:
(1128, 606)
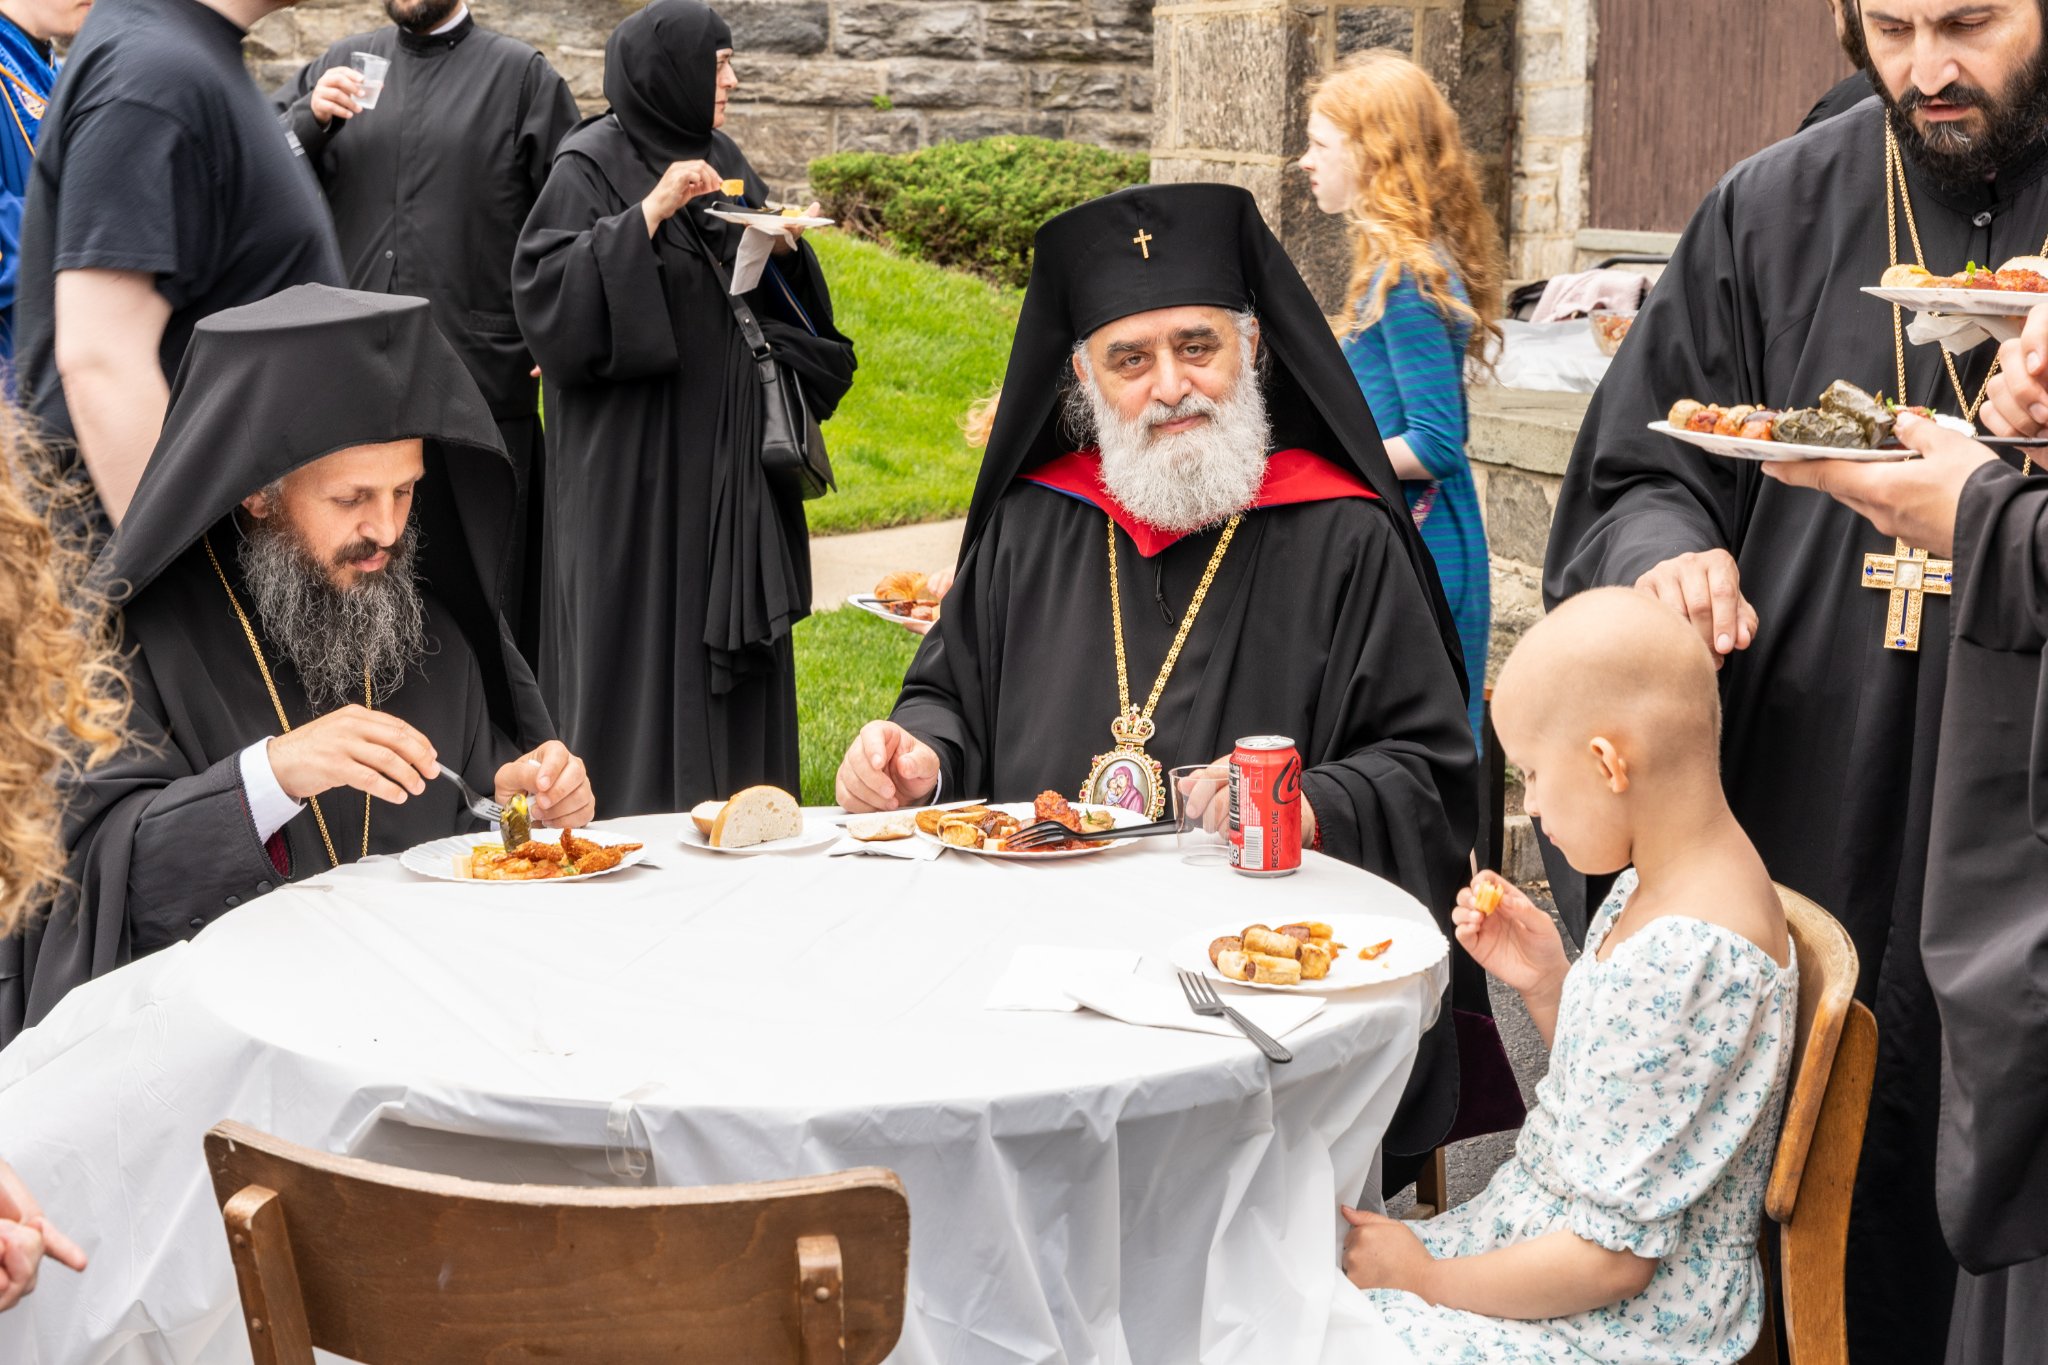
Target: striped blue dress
(1411, 365)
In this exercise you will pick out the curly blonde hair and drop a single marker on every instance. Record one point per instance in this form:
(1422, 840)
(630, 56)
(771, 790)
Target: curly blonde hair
(63, 695)
(1417, 199)
(980, 420)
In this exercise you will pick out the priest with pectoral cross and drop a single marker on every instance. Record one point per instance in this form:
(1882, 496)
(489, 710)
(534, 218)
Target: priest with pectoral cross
(307, 580)
(1186, 531)
(1834, 660)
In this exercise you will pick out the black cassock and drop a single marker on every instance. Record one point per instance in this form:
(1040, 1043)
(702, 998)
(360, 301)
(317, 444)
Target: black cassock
(1985, 936)
(1313, 628)
(160, 839)
(674, 571)
(428, 192)
(1829, 738)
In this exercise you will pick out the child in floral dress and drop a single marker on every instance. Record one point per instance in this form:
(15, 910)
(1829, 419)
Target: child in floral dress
(1624, 1228)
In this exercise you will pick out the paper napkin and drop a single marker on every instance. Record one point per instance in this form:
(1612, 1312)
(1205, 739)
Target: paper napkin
(1037, 976)
(1160, 1004)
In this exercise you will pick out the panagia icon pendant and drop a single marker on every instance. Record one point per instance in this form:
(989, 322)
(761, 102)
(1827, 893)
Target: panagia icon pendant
(1127, 776)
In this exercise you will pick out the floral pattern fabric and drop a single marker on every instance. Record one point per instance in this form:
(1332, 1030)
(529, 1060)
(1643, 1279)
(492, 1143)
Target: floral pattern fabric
(1653, 1133)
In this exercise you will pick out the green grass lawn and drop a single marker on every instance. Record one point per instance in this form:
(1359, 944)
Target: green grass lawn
(849, 666)
(930, 342)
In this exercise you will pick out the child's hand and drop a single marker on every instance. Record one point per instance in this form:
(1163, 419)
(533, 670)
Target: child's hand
(1516, 942)
(1381, 1253)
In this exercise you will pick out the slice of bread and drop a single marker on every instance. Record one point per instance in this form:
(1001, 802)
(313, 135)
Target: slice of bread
(2037, 264)
(756, 816)
(704, 814)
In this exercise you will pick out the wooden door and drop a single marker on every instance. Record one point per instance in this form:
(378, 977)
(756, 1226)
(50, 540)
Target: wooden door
(1684, 89)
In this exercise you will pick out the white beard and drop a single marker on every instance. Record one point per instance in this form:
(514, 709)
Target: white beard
(1192, 479)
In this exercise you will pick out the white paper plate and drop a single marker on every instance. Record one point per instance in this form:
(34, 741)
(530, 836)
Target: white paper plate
(1023, 810)
(768, 221)
(818, 831)
(436, 858)
(1735, 447)
(1980, 303)
(1417, 948)
(874, 606)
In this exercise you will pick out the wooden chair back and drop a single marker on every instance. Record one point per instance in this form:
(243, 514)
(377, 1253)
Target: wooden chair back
(389, 1266)
(1805, 1238)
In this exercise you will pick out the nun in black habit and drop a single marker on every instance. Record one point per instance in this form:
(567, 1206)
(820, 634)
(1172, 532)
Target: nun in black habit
(675, 571)
(1322, 620)
(164, 838)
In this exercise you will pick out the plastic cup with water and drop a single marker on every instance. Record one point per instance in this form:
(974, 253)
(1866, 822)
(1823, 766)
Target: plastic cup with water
(372, 69)
(1201, 810)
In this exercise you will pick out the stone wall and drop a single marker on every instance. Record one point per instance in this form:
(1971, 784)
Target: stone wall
(819, 76)
(1553, 133)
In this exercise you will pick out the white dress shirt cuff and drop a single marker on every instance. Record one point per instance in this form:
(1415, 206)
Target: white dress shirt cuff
(269, 807)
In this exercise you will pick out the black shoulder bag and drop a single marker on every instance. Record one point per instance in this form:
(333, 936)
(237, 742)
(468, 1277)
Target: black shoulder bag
(792, 446)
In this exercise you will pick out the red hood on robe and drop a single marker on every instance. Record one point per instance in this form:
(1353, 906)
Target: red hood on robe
(1291, 476)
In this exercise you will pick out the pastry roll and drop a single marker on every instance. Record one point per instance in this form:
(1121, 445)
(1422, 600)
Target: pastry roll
(1234, 964)
(1262, 940)
(1272, 971)
(1228, 944)
(1315, 959)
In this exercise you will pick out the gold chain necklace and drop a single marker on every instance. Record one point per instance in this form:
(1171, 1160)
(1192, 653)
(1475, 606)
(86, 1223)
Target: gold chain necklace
(1127, 775)
(277, 702)
(1896, 192)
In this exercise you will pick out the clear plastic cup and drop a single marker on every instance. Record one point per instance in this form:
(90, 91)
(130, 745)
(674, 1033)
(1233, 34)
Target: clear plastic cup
(1201, 811)
(372, 69)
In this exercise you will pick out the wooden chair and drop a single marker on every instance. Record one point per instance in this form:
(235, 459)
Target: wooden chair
(1805, 1239)
(385, 1265)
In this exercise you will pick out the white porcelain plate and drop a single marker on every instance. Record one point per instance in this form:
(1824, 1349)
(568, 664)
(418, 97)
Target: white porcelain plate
(818, 831)
(1416, 948)
(1023, 810)
(1735, 447)
(436, 858)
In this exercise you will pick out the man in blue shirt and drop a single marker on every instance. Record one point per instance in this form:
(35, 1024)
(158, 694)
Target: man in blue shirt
(28, 69)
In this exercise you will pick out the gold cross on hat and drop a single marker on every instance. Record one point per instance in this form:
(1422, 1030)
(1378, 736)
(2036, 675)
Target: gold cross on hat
(1142, 242)
(1907, 574)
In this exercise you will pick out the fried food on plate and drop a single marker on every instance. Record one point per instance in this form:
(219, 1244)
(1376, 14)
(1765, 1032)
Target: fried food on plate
(541, 860)
(1287, 956)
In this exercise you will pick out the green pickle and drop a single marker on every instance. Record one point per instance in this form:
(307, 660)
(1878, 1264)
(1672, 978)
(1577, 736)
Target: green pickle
(515, 825)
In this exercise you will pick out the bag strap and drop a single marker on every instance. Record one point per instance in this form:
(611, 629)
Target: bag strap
(750, 329)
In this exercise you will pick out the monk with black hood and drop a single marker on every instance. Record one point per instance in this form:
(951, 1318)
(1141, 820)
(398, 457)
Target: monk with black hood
(1301, 598)
(675, 570)
(237, 606)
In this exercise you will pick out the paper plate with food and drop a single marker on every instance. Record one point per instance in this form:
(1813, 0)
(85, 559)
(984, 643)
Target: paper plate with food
(901, 598)
(2010, 291)
(768, 220)
(1315, 956)
(757, 820)
(982, 830)
(546, 855)
(1847, 424)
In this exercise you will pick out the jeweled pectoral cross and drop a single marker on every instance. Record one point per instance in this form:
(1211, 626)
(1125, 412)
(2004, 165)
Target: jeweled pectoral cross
(1908, 575)
(1143, 242)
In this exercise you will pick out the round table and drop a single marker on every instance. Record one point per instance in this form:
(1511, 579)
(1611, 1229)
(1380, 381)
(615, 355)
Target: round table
(1080, 1189)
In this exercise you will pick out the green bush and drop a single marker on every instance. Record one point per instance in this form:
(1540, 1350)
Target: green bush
(970, 205)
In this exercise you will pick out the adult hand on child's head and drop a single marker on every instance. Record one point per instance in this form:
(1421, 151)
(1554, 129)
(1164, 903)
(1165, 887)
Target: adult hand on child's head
(1705, 587)
(1517, 942)
(1382, 1253)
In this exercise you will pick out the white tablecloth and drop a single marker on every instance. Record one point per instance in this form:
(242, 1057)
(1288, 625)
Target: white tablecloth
(1080, 1189)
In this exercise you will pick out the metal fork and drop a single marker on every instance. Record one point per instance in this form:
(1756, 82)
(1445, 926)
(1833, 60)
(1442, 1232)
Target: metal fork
(490, 812)
(1202, 999)
(1052, 831)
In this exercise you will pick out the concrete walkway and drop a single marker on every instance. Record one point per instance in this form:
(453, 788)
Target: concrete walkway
(841, 565)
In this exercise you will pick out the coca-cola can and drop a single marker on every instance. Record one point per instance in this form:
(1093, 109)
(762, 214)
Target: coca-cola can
(1265, 806)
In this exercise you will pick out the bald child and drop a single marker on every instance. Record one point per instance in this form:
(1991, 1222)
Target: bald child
(1624, 1226)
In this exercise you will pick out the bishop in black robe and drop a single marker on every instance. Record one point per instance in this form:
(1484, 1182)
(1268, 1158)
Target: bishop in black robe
(1324, 622)
(162, 839)
(428, 192)
(675, 569)
(1830, 738)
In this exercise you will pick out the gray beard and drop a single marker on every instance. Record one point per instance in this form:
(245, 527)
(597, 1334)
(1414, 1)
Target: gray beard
(1196, 478)
(331, 635)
